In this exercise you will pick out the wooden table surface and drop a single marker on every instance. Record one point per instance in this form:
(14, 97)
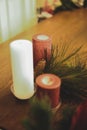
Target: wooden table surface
(66, 27)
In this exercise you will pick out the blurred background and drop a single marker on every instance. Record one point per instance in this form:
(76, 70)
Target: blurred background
(18, 15)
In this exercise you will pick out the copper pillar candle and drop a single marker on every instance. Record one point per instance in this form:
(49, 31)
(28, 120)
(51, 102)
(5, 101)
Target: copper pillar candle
(41, 47)
(49, 84)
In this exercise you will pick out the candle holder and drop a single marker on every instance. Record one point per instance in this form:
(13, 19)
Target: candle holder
(49, 85)
(21, 97)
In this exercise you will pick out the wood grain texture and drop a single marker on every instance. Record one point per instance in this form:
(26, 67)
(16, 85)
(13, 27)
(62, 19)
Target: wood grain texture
(68, 26)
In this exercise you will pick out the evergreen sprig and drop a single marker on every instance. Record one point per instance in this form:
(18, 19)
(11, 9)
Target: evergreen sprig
(40, 115)
(63, 118)
(71, 66)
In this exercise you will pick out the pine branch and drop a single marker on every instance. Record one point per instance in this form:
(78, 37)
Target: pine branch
(64, 117)
(72, 69)
(40, 115)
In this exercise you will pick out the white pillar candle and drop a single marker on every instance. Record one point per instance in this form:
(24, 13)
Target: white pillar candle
(22, 68)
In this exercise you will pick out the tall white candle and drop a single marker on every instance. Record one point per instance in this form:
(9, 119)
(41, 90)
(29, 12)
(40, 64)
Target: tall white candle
(22, 68)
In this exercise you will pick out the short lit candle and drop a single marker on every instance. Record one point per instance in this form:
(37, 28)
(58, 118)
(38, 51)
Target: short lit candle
(22, 68)
(49, 84)
(41, 47)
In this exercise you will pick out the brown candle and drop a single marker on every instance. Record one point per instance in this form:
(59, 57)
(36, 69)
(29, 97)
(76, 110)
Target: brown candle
(49, 84)
(41, 47)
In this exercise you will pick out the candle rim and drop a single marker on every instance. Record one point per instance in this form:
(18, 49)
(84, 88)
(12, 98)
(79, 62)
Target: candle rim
(56, 83)
(40, 40)
(42, 37)
(20, 41)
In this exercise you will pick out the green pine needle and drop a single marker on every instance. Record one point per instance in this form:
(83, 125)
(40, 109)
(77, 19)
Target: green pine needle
(64, 118)
(40, 115)
(71, 67)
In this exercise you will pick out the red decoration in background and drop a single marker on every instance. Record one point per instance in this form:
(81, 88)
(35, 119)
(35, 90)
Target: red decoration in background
(79, 120)
(41, 47)
(47, 7)
(49, 84)
(55, 1)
